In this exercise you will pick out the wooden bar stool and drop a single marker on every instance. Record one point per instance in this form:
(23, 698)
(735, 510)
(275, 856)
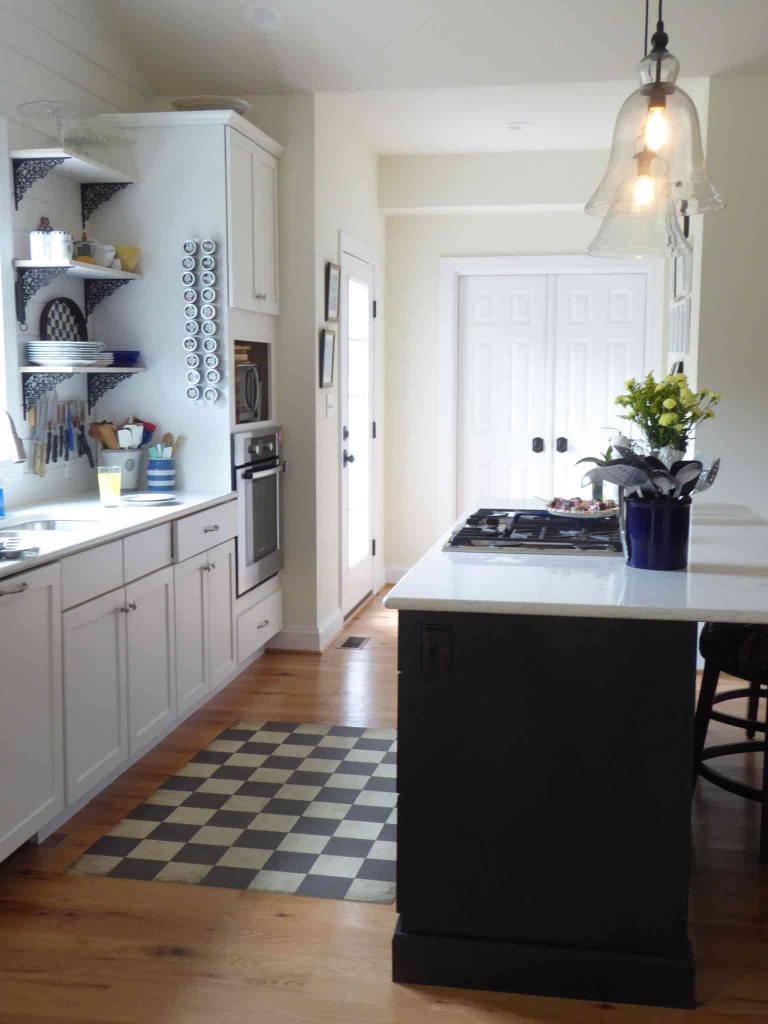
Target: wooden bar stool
(741, 651)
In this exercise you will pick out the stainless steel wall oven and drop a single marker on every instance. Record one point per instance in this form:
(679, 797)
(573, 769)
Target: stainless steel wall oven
(258, 469)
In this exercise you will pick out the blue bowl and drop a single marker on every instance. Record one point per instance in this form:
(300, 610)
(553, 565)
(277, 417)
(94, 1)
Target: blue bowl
(126, 357)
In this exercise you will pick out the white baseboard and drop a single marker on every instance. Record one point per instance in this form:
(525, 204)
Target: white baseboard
(308, 638)
(380, 579)
(395, 573)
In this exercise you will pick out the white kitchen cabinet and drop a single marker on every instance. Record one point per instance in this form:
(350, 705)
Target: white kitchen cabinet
(151, 653)
(205, 628)
(257, 625)
(222, 649)
(31, 765)
(252, 225)
(192, 673)
(95, 691)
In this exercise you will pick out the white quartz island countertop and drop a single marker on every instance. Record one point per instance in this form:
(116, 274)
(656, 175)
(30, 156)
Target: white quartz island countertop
(97, 524)
(726, 579)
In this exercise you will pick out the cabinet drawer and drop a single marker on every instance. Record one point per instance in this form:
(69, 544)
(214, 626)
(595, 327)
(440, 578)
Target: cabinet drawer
(258, 625)
(146, 551)
(204, 530)
(90, 573)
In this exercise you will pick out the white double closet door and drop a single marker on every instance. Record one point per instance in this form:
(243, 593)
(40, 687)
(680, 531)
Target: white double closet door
(541, 359)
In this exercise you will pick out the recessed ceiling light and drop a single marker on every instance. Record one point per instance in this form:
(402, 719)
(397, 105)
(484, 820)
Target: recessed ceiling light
(518, 126)
(264, 17)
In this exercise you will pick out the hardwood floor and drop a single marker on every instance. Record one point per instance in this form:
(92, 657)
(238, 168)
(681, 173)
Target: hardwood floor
(108, 951)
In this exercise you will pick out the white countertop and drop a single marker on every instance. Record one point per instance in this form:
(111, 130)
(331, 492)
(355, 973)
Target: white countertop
(726, 580)
(99, 524)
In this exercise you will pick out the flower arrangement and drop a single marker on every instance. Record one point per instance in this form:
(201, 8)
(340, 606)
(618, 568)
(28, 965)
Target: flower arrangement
(666, 411)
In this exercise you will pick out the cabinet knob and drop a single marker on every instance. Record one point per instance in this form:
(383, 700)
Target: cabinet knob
(125, 609)
(132, 606)
(210, 529)
(14, 590)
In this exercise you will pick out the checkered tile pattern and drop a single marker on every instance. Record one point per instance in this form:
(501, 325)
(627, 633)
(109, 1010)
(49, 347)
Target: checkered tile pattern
(270, 806)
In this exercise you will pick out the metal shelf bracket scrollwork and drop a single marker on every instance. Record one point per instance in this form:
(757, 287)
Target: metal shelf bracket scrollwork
(35, 385)
(95, 291)
(93, 195)
(26, 171)
(100, 383)
(28, 281)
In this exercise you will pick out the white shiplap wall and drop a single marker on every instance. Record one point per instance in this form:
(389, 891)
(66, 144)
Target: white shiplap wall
(53, 49)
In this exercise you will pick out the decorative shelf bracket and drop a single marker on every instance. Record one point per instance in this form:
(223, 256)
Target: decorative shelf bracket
(95, 291)
(28, 281)
(100, 383)
(27, 171)
(35, 385)
(93, 195)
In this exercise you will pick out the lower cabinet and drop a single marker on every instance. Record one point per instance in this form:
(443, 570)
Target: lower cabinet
(119, 677)
(205, 632)
(151, 654)
(31, 768)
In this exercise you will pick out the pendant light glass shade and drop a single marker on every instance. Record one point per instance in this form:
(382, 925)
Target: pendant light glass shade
(656, 157)
(639, 237)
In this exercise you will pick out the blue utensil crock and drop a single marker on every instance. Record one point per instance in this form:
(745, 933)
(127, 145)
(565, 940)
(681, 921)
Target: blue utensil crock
(161, 474)
(657, 533)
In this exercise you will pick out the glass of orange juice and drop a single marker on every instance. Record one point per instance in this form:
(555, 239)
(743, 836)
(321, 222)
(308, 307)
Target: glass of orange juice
(109, 486)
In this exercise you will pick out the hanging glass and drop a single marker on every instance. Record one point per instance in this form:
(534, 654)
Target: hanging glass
(640, 237)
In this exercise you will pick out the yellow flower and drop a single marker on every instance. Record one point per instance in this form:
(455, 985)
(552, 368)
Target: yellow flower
(629, 383)
(669, 403)
(687, 397)
(714, 396)
(630, 415)
(710, 414)
(661, 387)
(679, 376)
(667, 419)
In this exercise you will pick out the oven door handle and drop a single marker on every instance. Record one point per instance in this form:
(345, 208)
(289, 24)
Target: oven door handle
(253, 474)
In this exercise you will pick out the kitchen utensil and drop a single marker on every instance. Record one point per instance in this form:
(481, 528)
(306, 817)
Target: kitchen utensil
(125, 438)
(167, 439)
(70, 431)
(168, 453)
(707, 478)
(621, 473)
(154, 453)
(662, 480)
(687, 472)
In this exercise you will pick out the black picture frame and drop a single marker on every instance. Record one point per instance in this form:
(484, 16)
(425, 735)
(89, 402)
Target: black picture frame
(332, 292)
(327, 356)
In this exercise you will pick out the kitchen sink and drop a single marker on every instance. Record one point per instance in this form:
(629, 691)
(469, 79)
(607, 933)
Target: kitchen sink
(62, 525)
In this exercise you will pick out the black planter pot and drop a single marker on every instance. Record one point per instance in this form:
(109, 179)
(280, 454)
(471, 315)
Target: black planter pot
(657, 533)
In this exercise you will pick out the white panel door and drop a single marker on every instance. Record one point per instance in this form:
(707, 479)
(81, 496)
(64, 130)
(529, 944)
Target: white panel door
(31, 768)
(192, 675)
(151, 658)
(357, 364)
(599, 342)
(222, 651)
(95, 691)
(503, 399)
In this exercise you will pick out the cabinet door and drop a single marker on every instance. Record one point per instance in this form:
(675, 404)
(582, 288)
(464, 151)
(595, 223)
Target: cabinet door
(151, 658)
(252, 225)
(31, 769)
(222, 651)
(192, 674)
(95, 691)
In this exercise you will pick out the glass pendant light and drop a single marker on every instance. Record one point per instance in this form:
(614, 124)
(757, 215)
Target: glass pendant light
(657, 160)
(640, 237)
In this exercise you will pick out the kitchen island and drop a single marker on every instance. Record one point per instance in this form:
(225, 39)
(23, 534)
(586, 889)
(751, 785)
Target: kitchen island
(546, 707)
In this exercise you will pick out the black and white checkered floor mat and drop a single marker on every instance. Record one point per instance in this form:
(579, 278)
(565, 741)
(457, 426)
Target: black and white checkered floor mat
(270, 806)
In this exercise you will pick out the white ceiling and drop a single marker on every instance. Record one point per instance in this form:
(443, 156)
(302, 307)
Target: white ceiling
(576, 116)
(192, 46)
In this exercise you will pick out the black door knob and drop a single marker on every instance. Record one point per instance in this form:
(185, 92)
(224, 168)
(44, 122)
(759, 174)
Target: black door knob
(562, 444)
(344, 433)
(537, 445)
(348, 458)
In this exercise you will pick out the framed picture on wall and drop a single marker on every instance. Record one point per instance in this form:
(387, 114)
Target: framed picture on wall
(327, 350)
(332, 289)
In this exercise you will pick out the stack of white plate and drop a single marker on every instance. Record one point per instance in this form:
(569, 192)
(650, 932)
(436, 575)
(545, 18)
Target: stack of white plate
(105, 358)
(64, 353)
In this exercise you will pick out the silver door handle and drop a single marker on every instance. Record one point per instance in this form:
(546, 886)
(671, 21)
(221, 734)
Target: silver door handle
(125, 609)
(249, 474)
(132, 606)
(211, 529)
(19, 589)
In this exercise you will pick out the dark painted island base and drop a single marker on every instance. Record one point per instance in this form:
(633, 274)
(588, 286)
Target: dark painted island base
(456, 962)
(544, 778)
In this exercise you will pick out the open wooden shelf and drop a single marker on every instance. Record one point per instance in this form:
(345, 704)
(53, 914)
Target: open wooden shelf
(82, 369)
(75, 166)
(77, 269)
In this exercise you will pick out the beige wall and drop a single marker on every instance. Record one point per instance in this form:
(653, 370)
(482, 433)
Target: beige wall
(345, 201)
(414, 248)
(733, 351)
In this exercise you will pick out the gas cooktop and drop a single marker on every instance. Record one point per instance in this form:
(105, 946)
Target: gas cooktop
(511, 530)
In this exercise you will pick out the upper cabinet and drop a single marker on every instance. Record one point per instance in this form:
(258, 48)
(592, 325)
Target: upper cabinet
(252, 225)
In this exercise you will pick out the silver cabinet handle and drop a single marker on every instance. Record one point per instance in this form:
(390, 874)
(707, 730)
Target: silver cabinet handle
(19, 589)
(210, 529)
(210, 567)
(261, 625)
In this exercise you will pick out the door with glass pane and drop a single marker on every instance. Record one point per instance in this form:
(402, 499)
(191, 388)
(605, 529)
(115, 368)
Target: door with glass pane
(356, 331)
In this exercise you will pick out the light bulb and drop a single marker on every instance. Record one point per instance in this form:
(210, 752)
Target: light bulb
(644, 191)
(656, 129)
